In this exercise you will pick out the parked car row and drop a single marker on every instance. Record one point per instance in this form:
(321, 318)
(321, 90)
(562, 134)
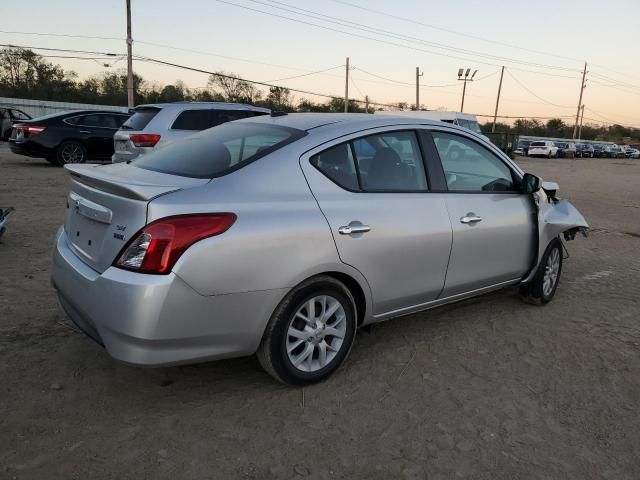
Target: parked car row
(81, 135)
(553, 149)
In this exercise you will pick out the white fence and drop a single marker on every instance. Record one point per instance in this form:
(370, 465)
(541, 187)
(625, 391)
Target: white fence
(38, 108)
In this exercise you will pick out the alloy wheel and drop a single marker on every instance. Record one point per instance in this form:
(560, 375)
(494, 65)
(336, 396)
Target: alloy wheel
(316, 333)
(72, 153)
(551, 272)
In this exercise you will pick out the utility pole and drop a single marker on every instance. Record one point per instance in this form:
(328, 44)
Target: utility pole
(465, 80)
(129, 59)
(581, 118)
(495, 114)
(418, 75)
(582, 86)
(366, 103)
(346, 88)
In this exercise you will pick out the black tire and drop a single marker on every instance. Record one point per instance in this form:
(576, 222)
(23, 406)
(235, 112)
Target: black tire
(5, 135)
(535, 292)
(71, 151)
(549, 156)
(272, 352)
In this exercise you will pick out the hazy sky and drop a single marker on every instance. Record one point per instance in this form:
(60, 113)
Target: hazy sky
(540, 43)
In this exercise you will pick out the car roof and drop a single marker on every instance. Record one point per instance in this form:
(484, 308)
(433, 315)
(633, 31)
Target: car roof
(311, 121)
(203, 105)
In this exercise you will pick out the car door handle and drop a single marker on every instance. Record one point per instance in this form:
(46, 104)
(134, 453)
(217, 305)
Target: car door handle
(85, 131)
(470, 218)
(351, 229)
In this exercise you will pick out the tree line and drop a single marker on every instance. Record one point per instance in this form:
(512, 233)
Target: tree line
(25, 74)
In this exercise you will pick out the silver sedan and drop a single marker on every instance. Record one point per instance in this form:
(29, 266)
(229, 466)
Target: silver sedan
(282, 235)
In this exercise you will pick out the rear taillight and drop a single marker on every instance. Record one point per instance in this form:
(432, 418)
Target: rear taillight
(144, 139)
(158, 246)
(30, 129)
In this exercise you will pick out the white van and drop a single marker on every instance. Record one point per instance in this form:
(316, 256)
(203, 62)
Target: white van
(465, 120)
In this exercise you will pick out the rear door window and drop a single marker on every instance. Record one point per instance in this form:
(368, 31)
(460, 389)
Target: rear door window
(141, 118)
(385, 162)
(92, 120)
(192, 120)
(218, 151)
(390, 161)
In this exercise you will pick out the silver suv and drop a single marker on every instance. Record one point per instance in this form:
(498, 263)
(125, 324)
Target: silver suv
(156, 125)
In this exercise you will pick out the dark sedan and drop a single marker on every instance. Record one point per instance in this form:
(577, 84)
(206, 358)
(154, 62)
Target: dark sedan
(69, 137)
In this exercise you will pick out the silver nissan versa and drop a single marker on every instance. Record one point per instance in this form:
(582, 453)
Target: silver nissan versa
(281, 235)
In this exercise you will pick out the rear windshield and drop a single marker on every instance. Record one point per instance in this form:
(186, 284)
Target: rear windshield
(219, 150)
(140, 119)
(537, 144)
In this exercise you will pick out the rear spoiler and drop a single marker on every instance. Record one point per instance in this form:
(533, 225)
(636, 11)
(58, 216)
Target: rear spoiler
(116, 181)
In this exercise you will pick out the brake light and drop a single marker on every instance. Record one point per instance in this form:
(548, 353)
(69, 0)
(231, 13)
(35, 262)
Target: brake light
(144, 139)
(30, 129)
(158, 246)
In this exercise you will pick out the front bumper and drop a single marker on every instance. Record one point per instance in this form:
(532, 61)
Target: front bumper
(157, 320)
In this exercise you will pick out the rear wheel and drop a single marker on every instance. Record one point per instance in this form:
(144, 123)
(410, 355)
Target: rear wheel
(311, 332)
(543, 287)
(71, 151)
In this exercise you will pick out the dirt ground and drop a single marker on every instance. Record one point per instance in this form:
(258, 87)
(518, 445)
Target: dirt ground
(486, 389)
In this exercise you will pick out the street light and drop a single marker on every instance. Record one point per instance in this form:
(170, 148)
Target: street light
(465, 79)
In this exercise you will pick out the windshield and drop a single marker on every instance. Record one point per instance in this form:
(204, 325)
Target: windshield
(219, 150)
(469, 124)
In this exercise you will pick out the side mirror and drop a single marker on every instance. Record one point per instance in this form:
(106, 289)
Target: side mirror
(530, 183)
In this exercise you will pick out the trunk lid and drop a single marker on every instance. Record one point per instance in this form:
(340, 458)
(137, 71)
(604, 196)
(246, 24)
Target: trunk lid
(107, 205)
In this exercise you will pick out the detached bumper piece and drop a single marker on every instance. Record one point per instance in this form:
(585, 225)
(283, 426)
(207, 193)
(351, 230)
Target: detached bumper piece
(5, 213)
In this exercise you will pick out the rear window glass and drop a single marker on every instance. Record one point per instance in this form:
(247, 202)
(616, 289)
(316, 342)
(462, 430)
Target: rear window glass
(140, 119)
(218, 151)
(537, 144)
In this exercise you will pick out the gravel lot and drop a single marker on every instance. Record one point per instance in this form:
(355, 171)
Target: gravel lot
(489, 388)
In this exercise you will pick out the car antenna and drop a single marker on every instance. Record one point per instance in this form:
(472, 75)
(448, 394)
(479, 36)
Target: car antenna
(278, 114)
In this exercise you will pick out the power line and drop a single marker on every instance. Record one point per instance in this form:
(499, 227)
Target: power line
(407, 38)
(109, 54)
(306, 74)
(474, 37)
(66, 56)
(535, 94)
(66, 35)
(264, 84)
(356, 86)
(378, 40)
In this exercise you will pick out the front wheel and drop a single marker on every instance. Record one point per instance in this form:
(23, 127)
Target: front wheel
(311, 332)
(542, 288)
(71, 151)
